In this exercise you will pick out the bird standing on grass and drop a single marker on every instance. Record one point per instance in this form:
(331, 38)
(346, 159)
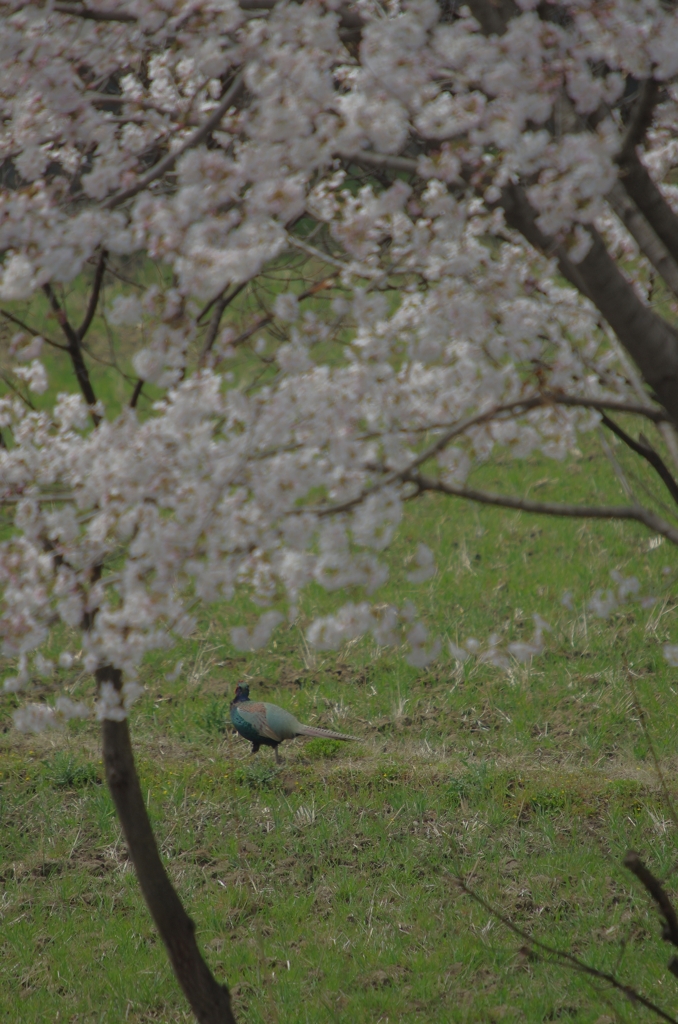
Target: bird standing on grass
(268, 725)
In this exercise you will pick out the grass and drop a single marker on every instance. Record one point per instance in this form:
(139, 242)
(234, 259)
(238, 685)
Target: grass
(324, 889)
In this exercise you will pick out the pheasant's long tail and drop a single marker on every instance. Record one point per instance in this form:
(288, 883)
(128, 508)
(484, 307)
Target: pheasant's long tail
(310, 730)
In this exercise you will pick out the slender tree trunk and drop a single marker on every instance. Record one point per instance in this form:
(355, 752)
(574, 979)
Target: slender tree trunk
(210, 1001)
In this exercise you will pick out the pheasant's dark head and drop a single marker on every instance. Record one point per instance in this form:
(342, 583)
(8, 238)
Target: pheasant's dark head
(242, 692)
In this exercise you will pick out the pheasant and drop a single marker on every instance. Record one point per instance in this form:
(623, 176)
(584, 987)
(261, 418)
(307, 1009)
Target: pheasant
(268, 725)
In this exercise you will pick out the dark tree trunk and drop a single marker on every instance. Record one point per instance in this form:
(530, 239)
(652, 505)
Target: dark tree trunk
(650, 341)
(641, 188)
(210, 1001)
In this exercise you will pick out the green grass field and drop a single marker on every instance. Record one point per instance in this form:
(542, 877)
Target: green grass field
(325, 890)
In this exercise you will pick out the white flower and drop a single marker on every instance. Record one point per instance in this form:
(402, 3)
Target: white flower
(66, 709)
(109, 706)
(125, 310)
(34, 718)
(458, 653)
(43, 666)
(286, 306)
(30, 351)
(427, 567)
(35, 376)
(455, 466)
(246, 640)
(18, 278)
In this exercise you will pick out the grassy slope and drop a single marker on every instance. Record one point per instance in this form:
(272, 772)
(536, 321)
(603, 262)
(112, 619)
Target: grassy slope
(325, 891)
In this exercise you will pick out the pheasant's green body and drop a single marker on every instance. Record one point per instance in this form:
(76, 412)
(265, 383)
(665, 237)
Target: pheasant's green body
(265, 724)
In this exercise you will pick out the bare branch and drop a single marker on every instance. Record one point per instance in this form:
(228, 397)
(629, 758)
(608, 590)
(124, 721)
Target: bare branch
(112, 98)
(220, 306)
(36, 334)
(668, 799)
(370, 159)
(645, 450)
(75, 352)
(80, 11)
(94, 296)
(569, 959)
(15, 390)
(656, 890)
(168, 161)
(518, 407)
(266, 319)
(14, 499)
(136, 393)
(633, 512)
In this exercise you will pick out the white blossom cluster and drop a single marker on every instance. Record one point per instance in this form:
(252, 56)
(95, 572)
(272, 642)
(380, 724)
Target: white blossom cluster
(449, 326)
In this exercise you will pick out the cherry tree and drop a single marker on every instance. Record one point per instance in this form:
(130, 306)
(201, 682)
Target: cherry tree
(455, 229)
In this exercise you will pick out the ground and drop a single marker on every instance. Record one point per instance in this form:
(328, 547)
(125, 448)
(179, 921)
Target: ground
(326, 889)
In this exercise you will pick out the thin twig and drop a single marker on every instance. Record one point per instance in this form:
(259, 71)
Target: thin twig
(267, 318)
(656, 890)
(12, 387)
(371, 159)
(633, 512)
(94, 296)
(616, 467)
(14, 499)
(168, 161)
(568, 959)
(647, 452)
(518, 407)
(220, 307)
(80, 11)
(206, 308)
(640, 713)
(75, 352)
(36, 334)
(136, 393)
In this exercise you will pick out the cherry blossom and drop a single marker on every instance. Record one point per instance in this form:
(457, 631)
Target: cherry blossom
(388, 243)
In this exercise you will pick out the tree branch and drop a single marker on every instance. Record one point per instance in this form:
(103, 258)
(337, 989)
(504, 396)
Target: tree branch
(370, 159)
(656, 890)
(645, 450)
(649, 242)
(136, 393)
(568, 959)
(36, 334)
(646, 195)
(262, 321)
(94, 296)
(518, 407)
(640, 119)
(75, 352)
(493, 15)
(80, 11)
(634, 512)
(168, 161)
(220, 304)
(651, 342)
(210, 1001)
